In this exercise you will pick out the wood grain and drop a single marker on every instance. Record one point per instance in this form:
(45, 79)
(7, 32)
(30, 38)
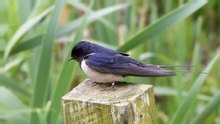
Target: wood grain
(91, 103)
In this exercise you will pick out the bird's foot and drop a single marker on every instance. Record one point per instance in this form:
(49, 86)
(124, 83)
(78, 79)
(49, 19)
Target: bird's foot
(112, 86)
(107, 86)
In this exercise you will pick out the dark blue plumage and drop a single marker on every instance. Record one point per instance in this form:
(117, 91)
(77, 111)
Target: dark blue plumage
(103, 62)
(123, 65)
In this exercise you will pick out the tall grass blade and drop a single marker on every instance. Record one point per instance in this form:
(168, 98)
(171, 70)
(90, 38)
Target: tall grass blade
(97, 15)
(9, 102)
(163, 23)
(41, 80)
(212, 105)
(86, 9)
(24, 29)
(28, 44)
(13, 86)
(65, 78)
(165, 91)
(186, 104)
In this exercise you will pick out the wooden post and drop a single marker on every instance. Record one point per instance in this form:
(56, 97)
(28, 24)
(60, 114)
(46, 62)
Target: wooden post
(91, 103)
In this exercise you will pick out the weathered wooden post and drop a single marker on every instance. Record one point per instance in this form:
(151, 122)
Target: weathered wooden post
(91, 103)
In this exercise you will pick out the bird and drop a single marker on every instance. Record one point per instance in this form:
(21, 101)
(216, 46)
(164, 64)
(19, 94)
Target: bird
(104, 65)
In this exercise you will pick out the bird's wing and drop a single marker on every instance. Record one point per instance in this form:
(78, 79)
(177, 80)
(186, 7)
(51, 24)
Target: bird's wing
(123, 65)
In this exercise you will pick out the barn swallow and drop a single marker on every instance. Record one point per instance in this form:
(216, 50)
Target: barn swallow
(104, 65)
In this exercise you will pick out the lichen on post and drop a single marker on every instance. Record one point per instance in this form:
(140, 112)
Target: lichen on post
(124, 103)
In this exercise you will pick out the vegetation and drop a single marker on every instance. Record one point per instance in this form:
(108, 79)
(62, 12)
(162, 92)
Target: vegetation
(36, 37)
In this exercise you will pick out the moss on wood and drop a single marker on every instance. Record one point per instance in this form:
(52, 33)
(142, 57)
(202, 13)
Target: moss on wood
(125, 103)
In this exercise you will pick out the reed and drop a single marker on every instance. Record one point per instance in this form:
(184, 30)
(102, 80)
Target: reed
(36, 40)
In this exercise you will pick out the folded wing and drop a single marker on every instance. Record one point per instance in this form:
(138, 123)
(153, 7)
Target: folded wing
(124, 65)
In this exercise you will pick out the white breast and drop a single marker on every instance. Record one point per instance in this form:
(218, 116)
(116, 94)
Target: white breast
(99, 77)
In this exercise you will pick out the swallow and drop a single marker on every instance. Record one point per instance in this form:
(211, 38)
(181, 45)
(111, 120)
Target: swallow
(103, 65)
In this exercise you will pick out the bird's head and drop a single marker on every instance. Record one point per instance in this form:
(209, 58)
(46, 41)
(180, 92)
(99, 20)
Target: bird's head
(80, 50)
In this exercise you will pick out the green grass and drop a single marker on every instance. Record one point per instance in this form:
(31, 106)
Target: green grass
(164, 22)
(41, 80)
(36, 40)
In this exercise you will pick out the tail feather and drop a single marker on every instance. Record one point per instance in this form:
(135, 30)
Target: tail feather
(153, 71)
(184, 68)
(176, 66)
(159, 73)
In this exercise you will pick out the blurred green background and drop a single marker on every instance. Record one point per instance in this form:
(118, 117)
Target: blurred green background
(36, 37)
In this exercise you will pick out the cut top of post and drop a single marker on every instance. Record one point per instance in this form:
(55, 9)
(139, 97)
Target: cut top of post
(119, 94)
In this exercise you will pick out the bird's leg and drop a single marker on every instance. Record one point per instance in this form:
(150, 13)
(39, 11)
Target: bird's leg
(112, 86)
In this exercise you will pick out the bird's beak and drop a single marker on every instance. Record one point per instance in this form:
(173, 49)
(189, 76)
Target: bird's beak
(71, 58)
